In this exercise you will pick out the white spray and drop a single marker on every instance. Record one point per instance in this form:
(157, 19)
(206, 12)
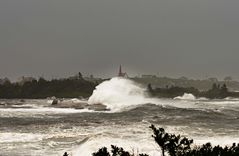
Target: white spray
(119, 93)
(186, 96)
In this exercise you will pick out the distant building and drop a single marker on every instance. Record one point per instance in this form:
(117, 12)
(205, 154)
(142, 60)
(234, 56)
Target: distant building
(148, 76)
(75, 77)
(183, 78)
(213, 79)
(91, 78)
(228, 78)
(4, 80)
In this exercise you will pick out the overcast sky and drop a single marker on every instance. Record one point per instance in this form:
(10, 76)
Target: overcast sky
(56, 38)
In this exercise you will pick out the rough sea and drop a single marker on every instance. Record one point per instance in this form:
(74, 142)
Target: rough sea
(35, 128)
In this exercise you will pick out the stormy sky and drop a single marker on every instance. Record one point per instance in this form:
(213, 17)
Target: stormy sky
(57, 38)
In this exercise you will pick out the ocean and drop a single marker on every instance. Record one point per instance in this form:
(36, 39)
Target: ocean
(33, 127)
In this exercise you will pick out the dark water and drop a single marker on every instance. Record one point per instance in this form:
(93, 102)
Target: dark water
(32, 127)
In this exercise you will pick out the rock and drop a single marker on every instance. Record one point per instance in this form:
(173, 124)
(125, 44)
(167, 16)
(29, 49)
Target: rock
(80, 105)
(80, 97)
(54, 102)
(22, 100)
(98, 107)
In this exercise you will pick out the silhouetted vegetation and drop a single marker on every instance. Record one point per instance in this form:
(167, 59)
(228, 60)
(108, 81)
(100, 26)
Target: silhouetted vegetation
(216, 92)
(201, 85)
(65, 154)
(41, 88)
(175, 145)
(78, 86)
(171, 92)
(116, 151)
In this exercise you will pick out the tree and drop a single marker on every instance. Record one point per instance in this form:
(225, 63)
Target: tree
(102, 152)
(150, 89)
(224, 88)
(41, 80)
(116, 151)
(175, 145)
(6, 81)
(80, 75)
(66, 154)
(161, 138)
(214, 86)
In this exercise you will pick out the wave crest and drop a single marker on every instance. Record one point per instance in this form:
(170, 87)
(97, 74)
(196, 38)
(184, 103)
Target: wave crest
(118, 93)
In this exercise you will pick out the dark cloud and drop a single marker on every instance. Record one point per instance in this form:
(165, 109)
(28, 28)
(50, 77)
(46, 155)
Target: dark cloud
(169, 37)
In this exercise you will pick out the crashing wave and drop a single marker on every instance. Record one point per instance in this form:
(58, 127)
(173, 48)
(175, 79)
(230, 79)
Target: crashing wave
(118, 93)
(186, 96)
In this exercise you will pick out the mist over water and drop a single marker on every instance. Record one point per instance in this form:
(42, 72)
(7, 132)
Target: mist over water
(38, 129)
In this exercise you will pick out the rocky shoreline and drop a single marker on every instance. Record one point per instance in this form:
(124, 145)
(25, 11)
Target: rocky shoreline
(78, 105)
(57, 103)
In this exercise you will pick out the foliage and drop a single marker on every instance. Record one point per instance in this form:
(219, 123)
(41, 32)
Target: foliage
(217, 91)
(181, 146)
(202, 85)
(116, 151)
(65, 154)
(41, 88)
(175, 145)
(208, 150)
(102, 152)
(173, 91)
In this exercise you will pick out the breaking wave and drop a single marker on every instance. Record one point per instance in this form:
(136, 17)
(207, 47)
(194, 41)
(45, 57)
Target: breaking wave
(118, 93)
(186, 96)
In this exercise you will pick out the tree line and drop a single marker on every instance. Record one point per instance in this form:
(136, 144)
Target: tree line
(217, 91)
(42, 88)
